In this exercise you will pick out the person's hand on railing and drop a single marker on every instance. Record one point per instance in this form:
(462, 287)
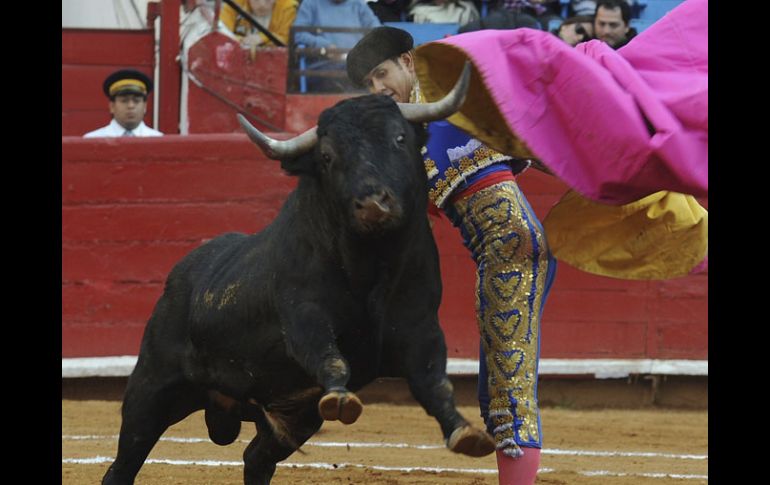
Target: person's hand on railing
(333, 53)
(252, 40)
(328, 52)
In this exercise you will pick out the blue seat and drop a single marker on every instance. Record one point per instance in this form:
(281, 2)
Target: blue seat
(655, 9)
(554, 24)
(640, 24)
(637, 8)
(423, 33)
(484, 8)
(302, 67)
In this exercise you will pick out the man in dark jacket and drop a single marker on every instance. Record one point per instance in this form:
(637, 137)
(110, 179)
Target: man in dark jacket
(611, 23)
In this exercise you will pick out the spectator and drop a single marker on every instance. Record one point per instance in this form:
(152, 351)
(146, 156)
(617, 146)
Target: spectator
(587, 7)
(443, 11)
(127, 91)
(611, 23)
(576, 29)
(331, 13)
(195, 22)
(582, 7)
(502, 19)
(543, 11)
(390, 10)
(276, 16)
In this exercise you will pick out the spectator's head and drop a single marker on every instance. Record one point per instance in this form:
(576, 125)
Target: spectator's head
(576, 29)
(611, 21)
(127, 90)
(382, 62)
(502, 19)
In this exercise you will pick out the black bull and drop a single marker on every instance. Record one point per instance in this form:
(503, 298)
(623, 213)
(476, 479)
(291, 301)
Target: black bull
(279, 327)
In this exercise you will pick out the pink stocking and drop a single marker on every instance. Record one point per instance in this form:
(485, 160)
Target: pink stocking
(518, 471)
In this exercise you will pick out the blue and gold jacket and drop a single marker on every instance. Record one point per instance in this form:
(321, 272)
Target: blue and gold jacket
(454, 160)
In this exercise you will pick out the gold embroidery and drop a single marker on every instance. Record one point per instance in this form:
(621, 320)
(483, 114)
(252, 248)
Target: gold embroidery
(480, 154)
(482, 157)
(451, 174)
(430, 168)
(465, 164)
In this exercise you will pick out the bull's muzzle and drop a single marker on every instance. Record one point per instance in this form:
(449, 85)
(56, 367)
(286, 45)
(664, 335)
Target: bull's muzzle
(374, 209)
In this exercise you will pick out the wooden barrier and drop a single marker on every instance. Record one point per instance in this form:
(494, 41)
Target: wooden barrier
(131, 208)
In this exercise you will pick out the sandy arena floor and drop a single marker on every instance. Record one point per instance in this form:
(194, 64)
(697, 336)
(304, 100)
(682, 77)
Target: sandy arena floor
(400, 445)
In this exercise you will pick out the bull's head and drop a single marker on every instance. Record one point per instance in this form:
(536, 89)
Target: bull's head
(365, 152)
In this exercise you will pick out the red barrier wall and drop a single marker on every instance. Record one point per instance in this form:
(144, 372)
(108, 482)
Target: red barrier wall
(133, 207)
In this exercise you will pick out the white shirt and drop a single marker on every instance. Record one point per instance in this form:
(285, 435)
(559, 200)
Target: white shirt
(114, 129)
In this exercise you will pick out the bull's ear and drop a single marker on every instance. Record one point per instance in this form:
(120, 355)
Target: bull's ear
(302, 164)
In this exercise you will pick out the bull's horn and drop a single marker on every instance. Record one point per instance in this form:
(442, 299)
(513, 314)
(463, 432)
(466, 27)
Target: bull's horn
(277, 149)
(442, 108)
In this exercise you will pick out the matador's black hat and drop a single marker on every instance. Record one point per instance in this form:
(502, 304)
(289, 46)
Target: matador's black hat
(377, 46)
(127, 81)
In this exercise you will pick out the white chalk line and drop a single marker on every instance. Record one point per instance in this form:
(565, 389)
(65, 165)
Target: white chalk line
(605, 473)
(326, 466)
(335, 466)
(333, 444)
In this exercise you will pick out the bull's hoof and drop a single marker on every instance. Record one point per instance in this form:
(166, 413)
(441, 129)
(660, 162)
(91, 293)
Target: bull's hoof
(341, 406)
(470, 441)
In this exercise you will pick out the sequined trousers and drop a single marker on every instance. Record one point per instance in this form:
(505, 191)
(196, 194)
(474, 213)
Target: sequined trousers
(515, 272)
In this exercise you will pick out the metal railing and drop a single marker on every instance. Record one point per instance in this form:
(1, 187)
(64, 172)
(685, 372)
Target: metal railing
(307, 64)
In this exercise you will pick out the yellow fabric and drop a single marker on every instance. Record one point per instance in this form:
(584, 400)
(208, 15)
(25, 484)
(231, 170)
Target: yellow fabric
(229, 16)
(123, 83)
(283, 15)
(664, 235)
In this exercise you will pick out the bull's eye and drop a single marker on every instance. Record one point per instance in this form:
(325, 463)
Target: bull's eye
(400, 139)
(327, 159)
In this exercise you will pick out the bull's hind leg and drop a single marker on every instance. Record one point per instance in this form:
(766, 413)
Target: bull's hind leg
(280, 433)
(150, 406)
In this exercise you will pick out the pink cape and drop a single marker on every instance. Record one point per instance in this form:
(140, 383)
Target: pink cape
(614, 125)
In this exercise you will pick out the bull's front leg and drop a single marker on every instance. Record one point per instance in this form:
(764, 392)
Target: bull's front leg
(311, 342)
(423, 362)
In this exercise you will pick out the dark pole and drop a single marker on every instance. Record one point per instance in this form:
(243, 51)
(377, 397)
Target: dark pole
(254, 22)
